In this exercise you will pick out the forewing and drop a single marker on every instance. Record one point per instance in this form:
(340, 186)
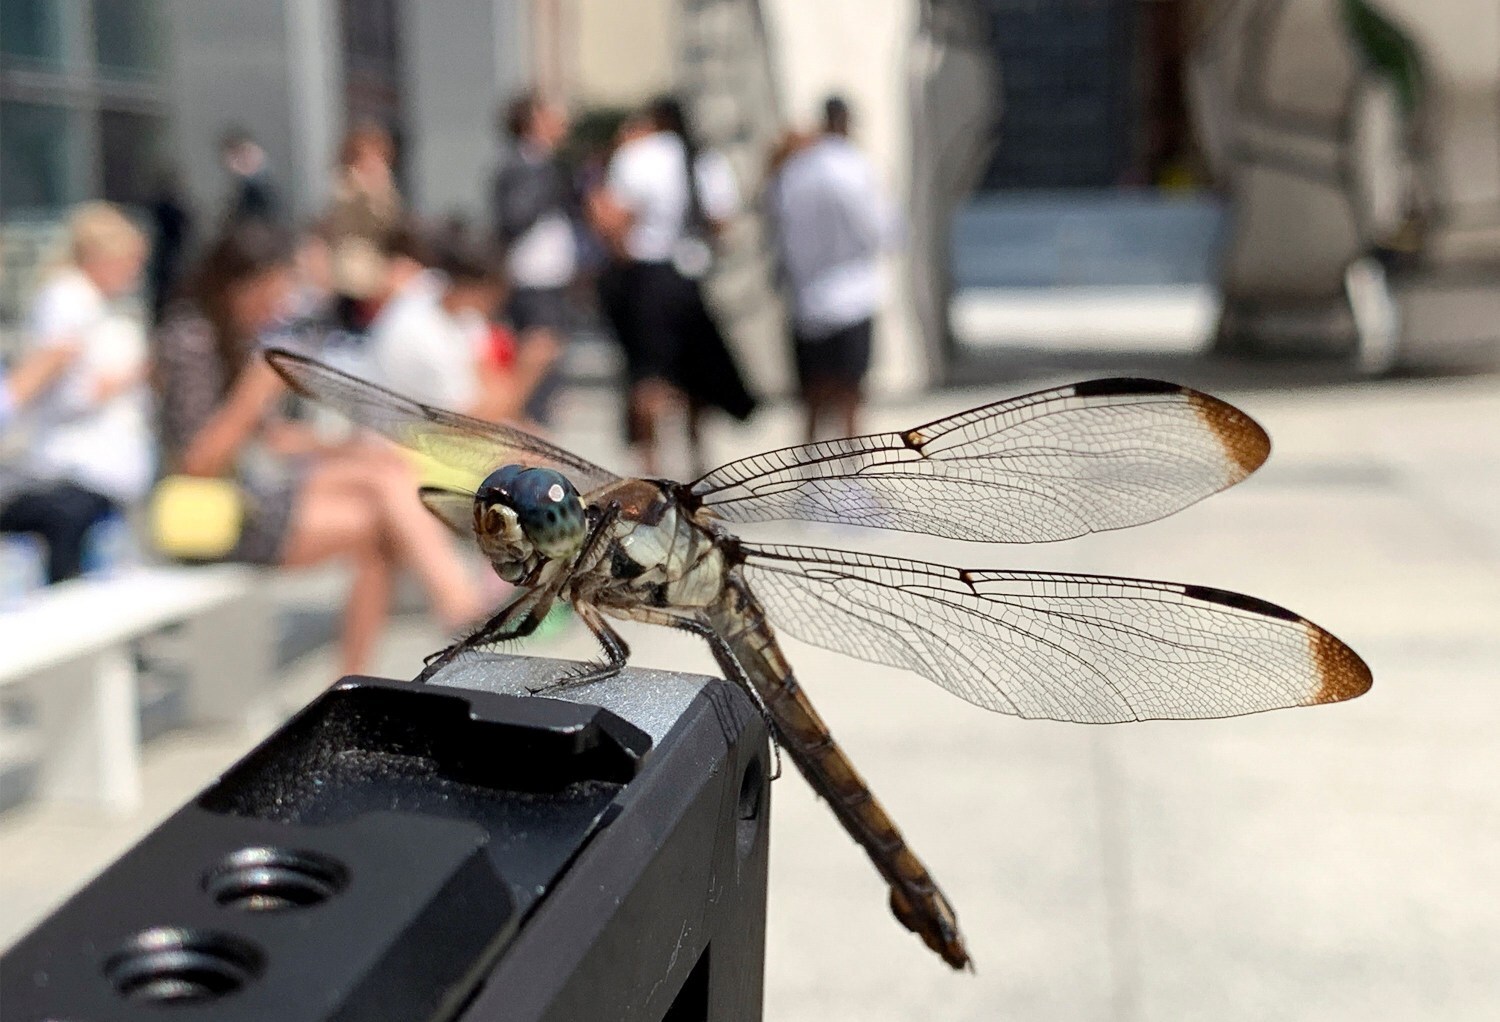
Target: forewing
(1066, 647)
(1059, 463)
(470, 447)
(454, 508)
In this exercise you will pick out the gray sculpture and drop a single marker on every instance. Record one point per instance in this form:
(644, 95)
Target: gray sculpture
(1359, 141)
(954, 89)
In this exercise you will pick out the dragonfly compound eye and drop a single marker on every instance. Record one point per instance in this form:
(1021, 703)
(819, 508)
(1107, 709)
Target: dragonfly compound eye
(497, 484)
(549, 510)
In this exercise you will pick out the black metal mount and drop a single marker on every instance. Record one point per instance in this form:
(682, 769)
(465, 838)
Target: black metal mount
(439, 852)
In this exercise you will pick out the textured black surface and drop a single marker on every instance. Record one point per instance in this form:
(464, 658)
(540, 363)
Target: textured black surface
(372, 746)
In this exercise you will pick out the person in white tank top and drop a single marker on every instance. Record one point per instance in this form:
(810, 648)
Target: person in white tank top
(90, 450)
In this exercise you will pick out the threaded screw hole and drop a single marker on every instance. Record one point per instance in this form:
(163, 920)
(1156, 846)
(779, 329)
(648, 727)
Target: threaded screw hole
(274, 879)
(169, 965)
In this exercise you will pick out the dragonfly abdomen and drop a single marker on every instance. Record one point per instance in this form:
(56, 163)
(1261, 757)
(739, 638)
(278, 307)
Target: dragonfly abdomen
(916, 899)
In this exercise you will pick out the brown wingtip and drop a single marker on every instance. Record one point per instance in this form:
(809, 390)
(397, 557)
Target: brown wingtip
(1245, 443)
(1344, 675)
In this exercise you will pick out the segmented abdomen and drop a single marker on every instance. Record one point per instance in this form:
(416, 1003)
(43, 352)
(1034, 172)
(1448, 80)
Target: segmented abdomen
(916, 899)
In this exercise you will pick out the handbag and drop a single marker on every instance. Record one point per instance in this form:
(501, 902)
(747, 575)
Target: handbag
(694, 252)
(196, 518)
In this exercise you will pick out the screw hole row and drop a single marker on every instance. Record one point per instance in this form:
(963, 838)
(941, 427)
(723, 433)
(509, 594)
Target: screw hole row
(175, 965)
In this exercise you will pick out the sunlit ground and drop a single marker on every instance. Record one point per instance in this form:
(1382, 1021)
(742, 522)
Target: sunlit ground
(1332, 863)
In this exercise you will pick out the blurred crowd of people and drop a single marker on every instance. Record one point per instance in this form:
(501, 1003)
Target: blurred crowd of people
(169, 419)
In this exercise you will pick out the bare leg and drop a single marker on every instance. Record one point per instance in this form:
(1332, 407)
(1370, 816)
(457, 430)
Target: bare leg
(815, 406)
(643, 428)
(416, 539)
(651, 401)
(332, 520)
(540, 348)
(695, 438)
(822, 398)
(366, 611)
(423, 544)
(811, 414)
(846, 401)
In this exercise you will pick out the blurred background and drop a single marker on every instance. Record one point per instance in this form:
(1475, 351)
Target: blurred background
(1292, 203)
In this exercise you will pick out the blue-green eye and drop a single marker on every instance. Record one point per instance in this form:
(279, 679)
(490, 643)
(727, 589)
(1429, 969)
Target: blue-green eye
(496, 485)
(547, 506)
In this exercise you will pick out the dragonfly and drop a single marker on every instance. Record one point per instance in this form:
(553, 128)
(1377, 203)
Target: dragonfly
(1047, 466)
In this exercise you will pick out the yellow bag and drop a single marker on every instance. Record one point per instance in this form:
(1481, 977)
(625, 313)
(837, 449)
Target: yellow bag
(196, 518)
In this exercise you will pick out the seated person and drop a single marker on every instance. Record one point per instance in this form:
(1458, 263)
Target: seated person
(33, 374)
(83, 378)
(303, 501)
(432, 339)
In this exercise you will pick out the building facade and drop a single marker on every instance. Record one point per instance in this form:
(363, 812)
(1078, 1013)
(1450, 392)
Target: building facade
(101, 98)
(85, 107)
(119, 99)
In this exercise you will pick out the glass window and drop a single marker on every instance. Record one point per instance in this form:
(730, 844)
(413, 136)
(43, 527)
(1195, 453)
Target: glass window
(131, 145)
(128, 38)
(39, 158)
(31, 33)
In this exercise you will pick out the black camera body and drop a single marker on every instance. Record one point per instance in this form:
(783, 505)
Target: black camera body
(442, 851)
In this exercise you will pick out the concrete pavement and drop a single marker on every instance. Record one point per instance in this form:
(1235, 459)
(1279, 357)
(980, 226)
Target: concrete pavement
(1333, 863)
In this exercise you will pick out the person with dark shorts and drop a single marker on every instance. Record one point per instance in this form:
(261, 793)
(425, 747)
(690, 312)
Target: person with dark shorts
(661, 206)
(831, 369)
(831, 222)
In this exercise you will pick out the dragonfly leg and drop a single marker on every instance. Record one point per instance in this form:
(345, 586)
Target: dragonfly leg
(524, 614)
(596, 543)
(616, 653)
(515, 620)
(724, 656)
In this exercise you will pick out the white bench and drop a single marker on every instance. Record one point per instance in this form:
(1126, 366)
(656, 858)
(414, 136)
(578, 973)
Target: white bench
(70, 646)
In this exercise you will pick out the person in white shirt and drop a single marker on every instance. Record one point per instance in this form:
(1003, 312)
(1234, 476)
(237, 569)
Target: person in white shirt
(430, 340)
(659, 211)
(90, 452)
(832, 223)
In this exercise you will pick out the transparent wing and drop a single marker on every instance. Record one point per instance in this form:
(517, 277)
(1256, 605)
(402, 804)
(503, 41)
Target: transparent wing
(471, 447)
(454, 508)
(1065, 647)
(1047, 466)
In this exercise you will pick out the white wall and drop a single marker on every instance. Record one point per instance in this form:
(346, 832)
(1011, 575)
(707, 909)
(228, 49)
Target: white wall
(462, 59)
(230, 68)
(619, 54)
(316, 97)
(859, 49)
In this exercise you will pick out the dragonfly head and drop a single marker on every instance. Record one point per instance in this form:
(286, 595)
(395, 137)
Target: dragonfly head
(531, 509)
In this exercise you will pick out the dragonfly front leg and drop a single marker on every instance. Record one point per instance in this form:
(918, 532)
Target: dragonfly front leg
(515, 620)
(524, 615)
